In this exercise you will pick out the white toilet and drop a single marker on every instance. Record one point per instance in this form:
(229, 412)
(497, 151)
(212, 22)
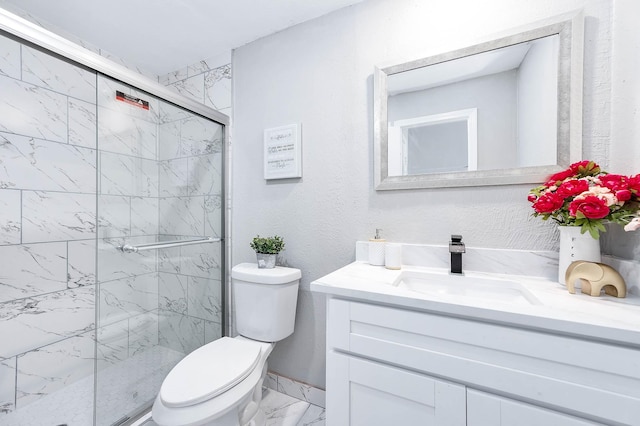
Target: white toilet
(221, 383)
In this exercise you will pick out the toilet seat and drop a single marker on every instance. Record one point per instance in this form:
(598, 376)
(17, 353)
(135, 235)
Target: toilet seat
(209, 371)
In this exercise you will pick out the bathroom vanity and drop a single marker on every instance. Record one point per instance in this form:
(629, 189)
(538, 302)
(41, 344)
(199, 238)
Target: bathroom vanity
(419, 346)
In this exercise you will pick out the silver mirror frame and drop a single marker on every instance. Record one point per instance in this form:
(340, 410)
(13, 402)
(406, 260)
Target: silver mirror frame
(571, 33)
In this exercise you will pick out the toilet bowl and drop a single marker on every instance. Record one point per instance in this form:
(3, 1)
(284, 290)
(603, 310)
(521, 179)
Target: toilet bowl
(220, 383)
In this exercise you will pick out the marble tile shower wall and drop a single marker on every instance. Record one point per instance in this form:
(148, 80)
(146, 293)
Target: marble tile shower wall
(47, 224)
(207, 81)
(159, 178)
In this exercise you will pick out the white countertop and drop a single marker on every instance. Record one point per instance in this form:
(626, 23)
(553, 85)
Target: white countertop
(600, 318)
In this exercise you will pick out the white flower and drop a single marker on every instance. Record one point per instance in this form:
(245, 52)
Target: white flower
(633, 225)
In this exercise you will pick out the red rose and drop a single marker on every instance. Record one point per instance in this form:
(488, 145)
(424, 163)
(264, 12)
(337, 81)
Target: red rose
(548, 203)
(614, 182)
(634, 184)
(590, 207)
(572, 187)
(586, 168)
(532, 198)
(558, 177)
(623, 195)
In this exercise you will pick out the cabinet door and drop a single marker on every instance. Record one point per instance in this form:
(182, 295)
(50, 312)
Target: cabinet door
(484, 409)
(366, 393)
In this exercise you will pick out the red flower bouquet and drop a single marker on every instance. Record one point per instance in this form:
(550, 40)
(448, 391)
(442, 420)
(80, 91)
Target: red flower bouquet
(585, 196)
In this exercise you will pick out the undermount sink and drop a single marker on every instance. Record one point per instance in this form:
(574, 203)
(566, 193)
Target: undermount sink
(463, 286)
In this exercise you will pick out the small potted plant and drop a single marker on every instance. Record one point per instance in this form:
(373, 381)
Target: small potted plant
(267, 249)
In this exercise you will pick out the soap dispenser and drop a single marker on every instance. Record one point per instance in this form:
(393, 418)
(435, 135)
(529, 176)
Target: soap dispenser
(376, 249)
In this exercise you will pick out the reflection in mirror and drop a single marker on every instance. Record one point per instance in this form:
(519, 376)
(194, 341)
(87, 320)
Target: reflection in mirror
(496, 113)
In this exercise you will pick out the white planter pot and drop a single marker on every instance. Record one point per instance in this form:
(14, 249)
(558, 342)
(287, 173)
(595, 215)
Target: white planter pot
(576, 246)
(266, 260)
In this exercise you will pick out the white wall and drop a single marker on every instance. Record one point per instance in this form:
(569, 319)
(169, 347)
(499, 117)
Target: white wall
(320, 74)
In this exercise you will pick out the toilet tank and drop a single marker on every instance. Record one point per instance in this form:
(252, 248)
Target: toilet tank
(264, 301)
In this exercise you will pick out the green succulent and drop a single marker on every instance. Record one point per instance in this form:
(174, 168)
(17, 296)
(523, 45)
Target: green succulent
(267, 245)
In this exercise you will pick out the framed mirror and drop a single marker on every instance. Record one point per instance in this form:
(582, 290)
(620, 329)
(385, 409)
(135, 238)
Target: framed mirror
(506, 111)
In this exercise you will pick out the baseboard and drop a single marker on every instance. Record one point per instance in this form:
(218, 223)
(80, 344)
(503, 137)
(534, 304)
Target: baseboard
(295, 389)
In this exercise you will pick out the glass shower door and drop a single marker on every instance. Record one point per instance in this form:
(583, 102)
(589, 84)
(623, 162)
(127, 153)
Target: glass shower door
(160, 172)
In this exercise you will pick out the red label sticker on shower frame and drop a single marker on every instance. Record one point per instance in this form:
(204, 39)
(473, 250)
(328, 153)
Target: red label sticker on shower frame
(140, 103)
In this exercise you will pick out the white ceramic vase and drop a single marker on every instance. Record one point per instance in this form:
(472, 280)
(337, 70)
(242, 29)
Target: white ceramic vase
(576, 246)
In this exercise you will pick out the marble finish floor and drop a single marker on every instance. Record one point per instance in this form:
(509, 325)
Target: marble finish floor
(283, 410)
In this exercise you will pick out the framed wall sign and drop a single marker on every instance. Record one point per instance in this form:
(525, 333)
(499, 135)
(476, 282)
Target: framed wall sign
(282, 152)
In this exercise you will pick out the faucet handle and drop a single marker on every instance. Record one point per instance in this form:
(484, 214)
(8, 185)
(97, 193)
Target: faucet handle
(456, 238)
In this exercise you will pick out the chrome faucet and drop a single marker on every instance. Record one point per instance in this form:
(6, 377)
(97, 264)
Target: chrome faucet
(456, 248)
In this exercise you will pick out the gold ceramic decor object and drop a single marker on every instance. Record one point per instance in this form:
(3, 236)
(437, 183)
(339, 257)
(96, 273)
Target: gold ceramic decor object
(594, 277)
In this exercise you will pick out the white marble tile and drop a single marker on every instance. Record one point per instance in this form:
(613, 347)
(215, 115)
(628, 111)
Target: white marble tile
(191, 87)
(82, 123)
(49, 72)
(32, 269)
(282, 410)
(173, 177)
(204, 299)
(112, 343)
(169, 140)
(314, 415)
(71, 405)
(182, 215)
(7, 383)
(174, 76)
(213, 215)
(212, 331)
(172, 289)
(106, 94)
(301, 391)
(32, 111)
(217, 87)
(49, 368)
(30, 163)
(55, 216)
(143, 332)
(170, 113)
(123, 133)
(271, 381)
(114, 264)
(200, 136)
(81, 263)
(124, 175)
(210, 63)
(116, 174)
(202, 260)
(114, 216)
(9, 57)
(127, 297)
(169, 260)
(10, 217)
(180, 332)
(42, 320)
(144, 216)
(205, 174)
(130, 384)
(152, 115)
(146, 178)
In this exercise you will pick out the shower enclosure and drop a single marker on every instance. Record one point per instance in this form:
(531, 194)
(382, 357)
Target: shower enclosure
(112, 258)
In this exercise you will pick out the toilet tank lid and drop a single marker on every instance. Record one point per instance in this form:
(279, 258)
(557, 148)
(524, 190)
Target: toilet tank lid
(278, 275)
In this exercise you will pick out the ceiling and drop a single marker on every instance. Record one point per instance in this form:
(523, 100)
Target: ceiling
(160, 36)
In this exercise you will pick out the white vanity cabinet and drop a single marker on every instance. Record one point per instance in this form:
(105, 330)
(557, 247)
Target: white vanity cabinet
(391, 365)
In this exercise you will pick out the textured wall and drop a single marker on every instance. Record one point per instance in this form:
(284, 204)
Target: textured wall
(320, 74)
